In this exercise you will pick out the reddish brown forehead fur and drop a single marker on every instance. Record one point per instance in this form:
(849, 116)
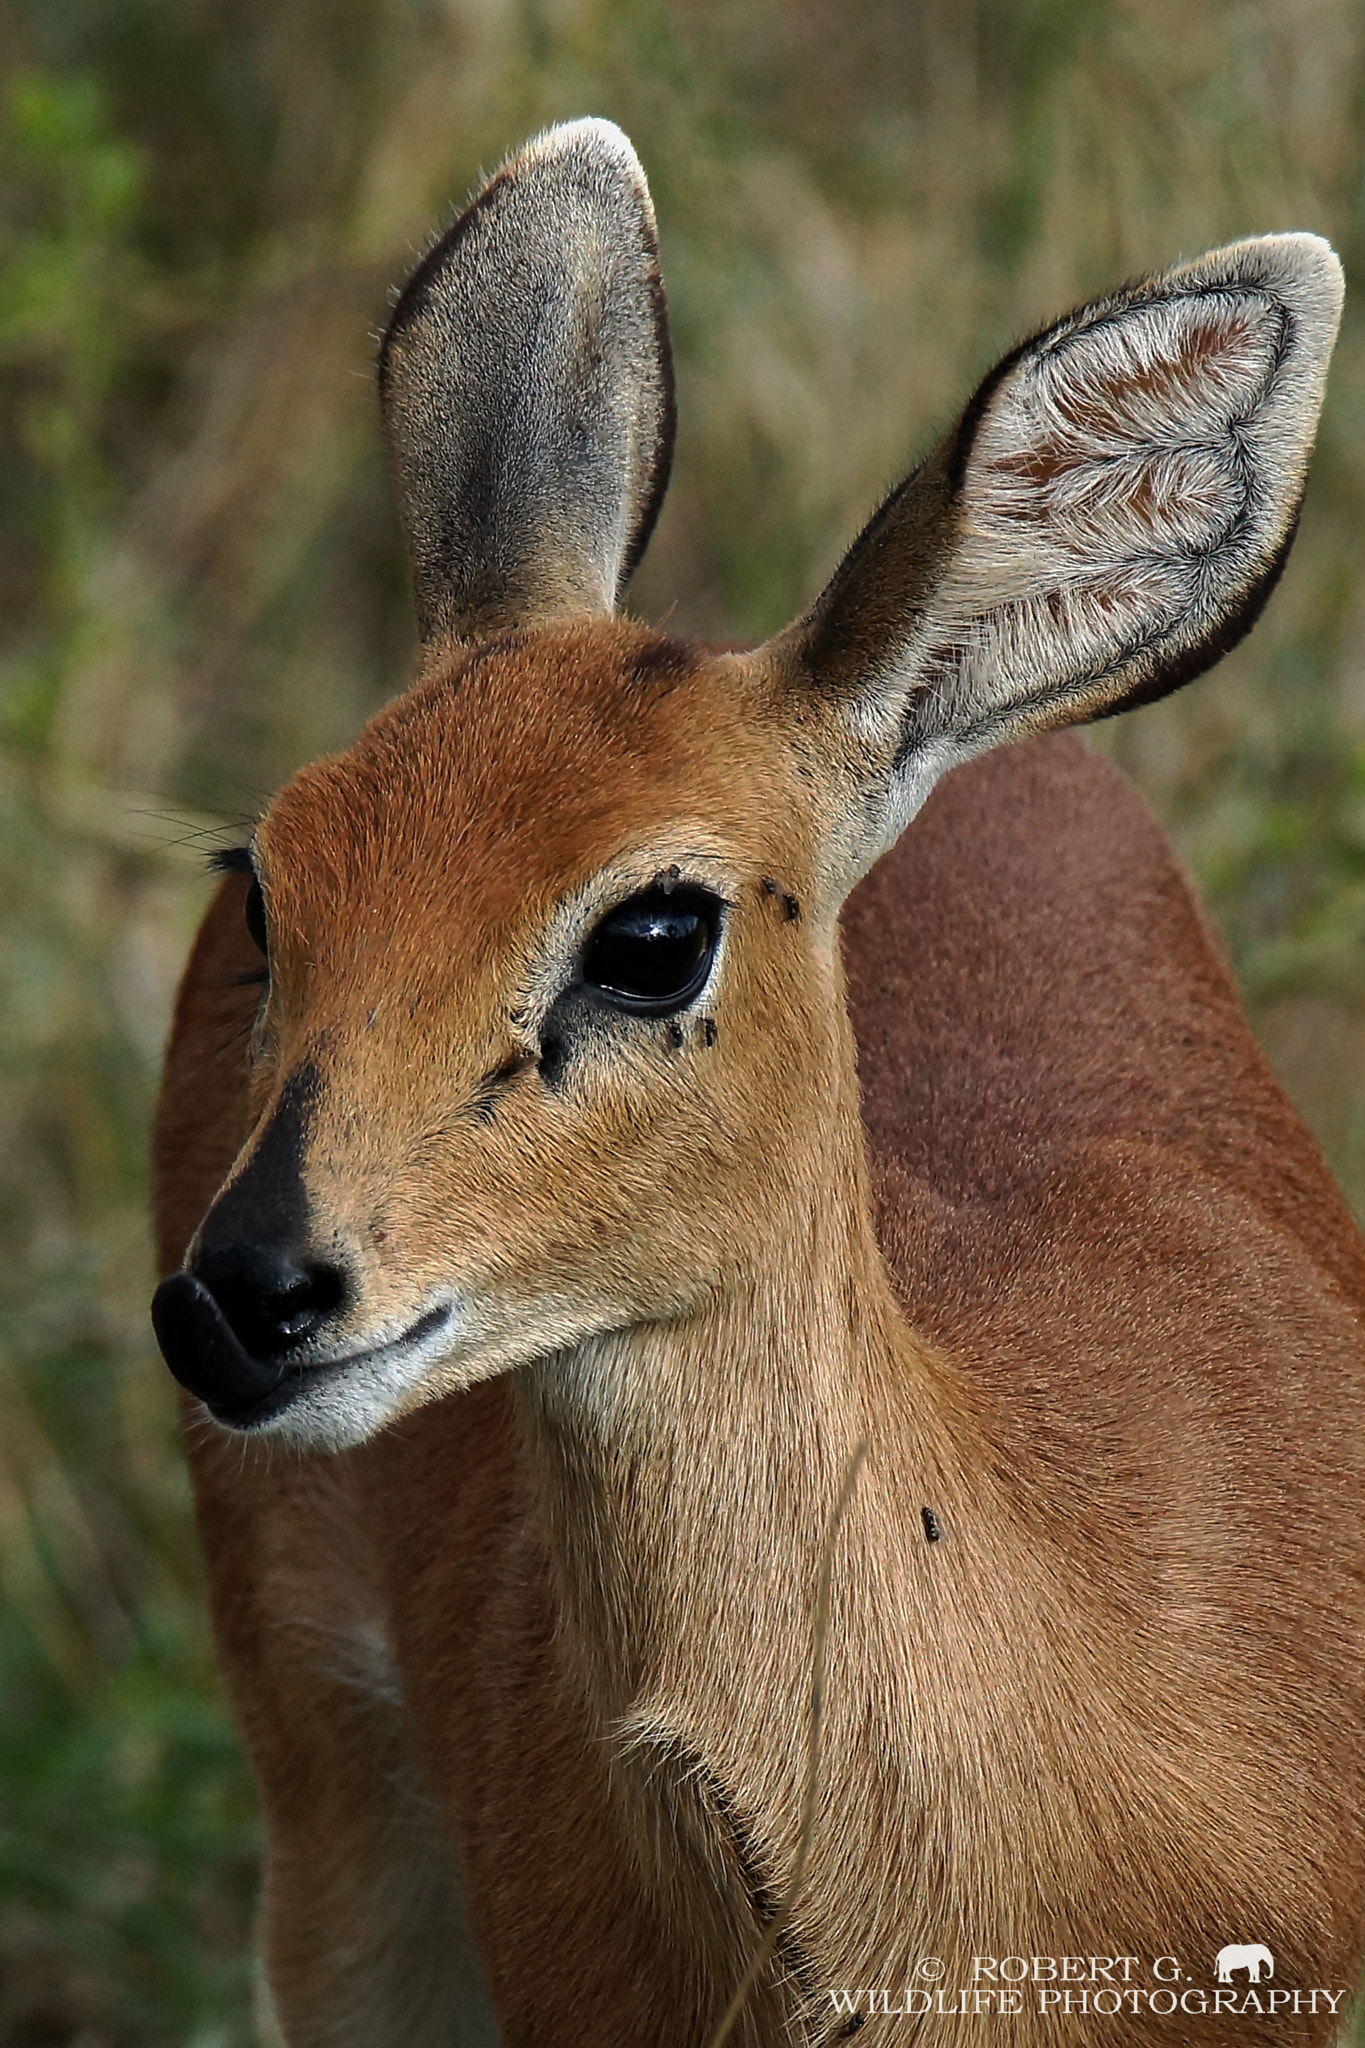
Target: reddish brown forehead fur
(508, 776)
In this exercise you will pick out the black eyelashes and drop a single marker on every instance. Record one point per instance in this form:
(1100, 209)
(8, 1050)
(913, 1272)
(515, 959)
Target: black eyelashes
(231, 860)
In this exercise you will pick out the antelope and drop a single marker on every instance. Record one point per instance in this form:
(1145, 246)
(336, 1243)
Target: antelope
(650, 1252)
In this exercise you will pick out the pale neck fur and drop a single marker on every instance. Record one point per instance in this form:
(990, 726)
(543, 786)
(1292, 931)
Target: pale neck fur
(688, 1469)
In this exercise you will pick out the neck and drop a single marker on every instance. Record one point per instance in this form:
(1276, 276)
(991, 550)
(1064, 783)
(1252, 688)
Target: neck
(688, 1473)
(686, 1477)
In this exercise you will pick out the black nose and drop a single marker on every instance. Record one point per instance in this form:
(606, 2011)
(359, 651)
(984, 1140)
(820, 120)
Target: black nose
(271, 1303)
(228, 1329)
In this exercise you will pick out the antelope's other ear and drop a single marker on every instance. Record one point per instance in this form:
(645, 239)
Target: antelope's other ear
(1107, 520)
(527, 390)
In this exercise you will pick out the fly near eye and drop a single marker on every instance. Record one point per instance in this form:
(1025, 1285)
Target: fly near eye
(254, 912)
(653, 953)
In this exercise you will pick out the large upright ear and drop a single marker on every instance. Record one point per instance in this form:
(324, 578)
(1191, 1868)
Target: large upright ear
(527, 389)
(1107, 520)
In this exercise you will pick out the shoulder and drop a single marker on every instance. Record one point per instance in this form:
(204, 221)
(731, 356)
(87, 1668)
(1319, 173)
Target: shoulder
(1030, 977)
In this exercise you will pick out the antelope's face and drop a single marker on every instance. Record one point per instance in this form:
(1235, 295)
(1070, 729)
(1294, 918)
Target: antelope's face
(552, 1038)
(548, 999)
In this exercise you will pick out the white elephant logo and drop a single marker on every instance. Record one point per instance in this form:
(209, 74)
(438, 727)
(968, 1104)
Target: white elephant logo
(1247, 1956)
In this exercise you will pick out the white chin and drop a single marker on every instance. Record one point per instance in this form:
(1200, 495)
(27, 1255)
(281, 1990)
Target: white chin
(334, 1405)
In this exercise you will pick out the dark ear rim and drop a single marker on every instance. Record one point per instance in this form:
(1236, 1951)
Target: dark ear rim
(814, 641)
(1195, 661)
(1147, 286)
(1187, 665)
(413, 299)
(1190, 663)
(661, 467)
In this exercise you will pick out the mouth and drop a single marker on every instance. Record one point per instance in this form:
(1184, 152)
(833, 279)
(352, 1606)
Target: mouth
(318, 1378)
(247, 1394)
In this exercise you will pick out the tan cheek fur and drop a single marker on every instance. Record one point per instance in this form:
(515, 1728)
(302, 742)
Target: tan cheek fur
(626, 1192)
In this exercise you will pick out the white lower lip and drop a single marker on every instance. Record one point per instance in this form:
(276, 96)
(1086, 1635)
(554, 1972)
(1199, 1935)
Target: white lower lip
(331, 1403)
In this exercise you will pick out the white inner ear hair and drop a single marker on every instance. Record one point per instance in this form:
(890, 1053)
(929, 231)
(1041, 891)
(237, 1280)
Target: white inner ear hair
(1127, 484)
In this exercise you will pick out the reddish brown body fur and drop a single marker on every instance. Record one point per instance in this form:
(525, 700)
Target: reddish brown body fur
(1112, 1235)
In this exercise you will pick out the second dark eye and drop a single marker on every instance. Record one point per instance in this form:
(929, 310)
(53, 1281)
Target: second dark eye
(254, 912)
(652, 954)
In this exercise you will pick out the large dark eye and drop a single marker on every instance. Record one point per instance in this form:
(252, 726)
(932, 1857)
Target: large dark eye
(254, 912)
(653, 952)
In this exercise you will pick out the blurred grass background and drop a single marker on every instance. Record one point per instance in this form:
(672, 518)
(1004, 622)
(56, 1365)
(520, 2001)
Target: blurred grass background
(204, 205)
